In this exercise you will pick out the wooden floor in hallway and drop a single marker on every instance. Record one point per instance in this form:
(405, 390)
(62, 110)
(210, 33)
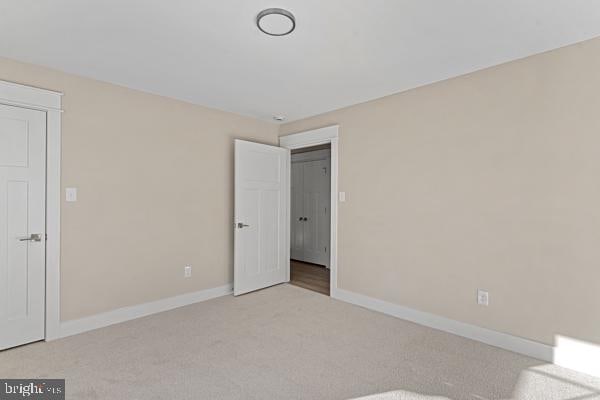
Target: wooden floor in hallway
(309, 276)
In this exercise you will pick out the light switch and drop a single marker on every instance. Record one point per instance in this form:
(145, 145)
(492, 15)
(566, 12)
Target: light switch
(71, 194)
(342, 197)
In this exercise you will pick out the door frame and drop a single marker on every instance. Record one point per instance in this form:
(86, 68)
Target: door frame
(314, 137)
(50, 102)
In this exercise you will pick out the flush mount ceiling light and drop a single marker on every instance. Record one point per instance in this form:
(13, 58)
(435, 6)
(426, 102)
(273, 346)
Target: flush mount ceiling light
(279, 118)
(276, 21)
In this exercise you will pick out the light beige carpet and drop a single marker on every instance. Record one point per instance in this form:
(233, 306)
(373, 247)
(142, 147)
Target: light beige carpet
(287, 343)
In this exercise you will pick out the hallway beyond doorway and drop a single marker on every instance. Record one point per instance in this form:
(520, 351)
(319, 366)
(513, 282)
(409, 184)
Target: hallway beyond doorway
(309, 276)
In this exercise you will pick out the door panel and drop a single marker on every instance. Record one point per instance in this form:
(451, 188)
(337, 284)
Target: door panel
(250, 244)
(17, 194)
(261, 218)
(296, 224)
(270, 232)
(316, 203)
(22, 213)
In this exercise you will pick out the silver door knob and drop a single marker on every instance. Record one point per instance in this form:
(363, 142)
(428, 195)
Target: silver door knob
(34, 237)
(241, 225)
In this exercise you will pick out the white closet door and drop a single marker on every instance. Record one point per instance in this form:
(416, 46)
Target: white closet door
(316, 214)
(297, 212)
(22, 225)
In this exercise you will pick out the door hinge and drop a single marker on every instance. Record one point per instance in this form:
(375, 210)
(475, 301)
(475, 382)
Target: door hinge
(325, 249)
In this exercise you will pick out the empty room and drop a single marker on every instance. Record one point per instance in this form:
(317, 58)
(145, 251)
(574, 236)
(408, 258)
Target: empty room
(336, 199)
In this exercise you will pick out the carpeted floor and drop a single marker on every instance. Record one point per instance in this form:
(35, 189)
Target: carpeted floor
(286, 342)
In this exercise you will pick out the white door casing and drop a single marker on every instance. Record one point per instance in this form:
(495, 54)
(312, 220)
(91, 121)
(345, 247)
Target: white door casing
(22, 218)
(261, 251)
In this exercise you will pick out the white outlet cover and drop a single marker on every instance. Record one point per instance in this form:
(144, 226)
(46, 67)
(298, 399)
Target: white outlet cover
(187, 271)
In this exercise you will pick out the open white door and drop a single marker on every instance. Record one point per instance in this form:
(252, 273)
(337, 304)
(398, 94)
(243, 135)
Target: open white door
(261, 216)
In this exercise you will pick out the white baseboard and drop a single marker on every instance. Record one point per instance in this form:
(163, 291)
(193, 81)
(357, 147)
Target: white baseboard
(119, 315)
(502, 340)
(569, 353)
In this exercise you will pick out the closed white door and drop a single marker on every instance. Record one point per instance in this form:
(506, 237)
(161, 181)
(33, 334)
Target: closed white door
(310, 220)
(297, 212)
(261, 219)
(316, 215)
(22, 225)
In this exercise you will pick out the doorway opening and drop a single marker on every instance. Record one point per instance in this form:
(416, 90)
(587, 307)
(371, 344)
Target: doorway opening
(310, 218)
(262, 210)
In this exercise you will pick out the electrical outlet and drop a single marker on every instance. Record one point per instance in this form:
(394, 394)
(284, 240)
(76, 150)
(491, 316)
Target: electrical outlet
(483, 298)
(187, 271)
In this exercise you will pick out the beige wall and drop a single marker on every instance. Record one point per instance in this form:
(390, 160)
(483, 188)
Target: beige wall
(155, 184)
(490, 180)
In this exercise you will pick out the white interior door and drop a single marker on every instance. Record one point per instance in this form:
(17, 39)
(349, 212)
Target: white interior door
(297, 212)
(22, 225)
(310, 219)
(261, 216)
(316, 212)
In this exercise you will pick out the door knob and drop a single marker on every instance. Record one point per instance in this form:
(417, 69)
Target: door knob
(34, 237)
(306, 219)
(241, 225)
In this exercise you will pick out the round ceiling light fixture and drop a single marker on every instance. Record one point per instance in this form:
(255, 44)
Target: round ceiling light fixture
(276, 21)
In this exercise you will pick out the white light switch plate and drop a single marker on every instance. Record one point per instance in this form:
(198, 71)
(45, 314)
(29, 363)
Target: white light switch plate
(483, 298)
(71, 194)
(342, 197)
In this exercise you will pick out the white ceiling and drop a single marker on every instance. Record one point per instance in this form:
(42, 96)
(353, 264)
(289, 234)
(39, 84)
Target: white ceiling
(342, 52)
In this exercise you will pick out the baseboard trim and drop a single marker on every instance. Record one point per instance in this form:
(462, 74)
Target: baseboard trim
(504, 341)
(73, 327)
(570, 353)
